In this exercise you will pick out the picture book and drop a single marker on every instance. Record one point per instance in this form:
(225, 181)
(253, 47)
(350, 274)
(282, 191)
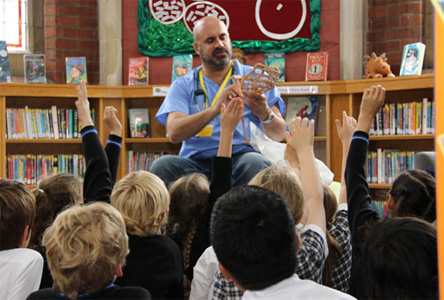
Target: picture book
(317, 66)
(138, 71)
(412, 59)
(304, 107)
(276, 60)
(182, 64)
(5, 72)
(34, 68)
(139, 122)
(75, 70)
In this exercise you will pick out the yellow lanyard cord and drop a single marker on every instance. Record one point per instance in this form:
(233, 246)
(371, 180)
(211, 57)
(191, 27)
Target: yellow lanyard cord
(224, 83)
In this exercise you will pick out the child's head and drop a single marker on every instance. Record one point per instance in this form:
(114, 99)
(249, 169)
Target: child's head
(86, 247)
(189, 199)
(284, 181)
(413, 194)
(400, 260)
(143, 200)
(253, 236)
(54, 193)
(17, 213)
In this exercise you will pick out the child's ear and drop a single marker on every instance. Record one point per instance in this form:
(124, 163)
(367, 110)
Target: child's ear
(119, 270)
(390, 204)
(26, 236)
(225, 272)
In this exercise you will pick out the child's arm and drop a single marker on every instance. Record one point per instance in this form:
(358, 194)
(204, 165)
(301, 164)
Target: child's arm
(229, 118)
(301, 138)
(113, 144)
(222, 164)
(97, 181)
(345, 133)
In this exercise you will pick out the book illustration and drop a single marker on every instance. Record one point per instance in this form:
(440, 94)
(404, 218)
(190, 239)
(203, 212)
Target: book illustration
(75, 70)
(276, 60)
(34, 68)
(138, 71)
(182, 64)
(139, 122)
(412, 59)
(304, 107)
(317, 66)
(5, 72)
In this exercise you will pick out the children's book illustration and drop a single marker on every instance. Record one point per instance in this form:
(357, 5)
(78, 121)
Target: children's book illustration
(138, 71)
(139, 122)
(412, 59)
(5, 72)
(75, 70)
(317, 66)
(304, 107)
(34, 68)
(182, 64)
(276, 60)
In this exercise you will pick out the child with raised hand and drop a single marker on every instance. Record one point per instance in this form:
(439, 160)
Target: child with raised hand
(192, 197)
(305, 199)
(363, 221)
(154, 262)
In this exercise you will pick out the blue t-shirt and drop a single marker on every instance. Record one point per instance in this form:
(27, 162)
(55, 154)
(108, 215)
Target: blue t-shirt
(181, 98)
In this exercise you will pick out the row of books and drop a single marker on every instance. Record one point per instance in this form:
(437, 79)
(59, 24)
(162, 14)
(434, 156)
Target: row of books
(141, 161)
(405, 118)
(40, 123)
(383, 166)
(381, 208)
(31, 168)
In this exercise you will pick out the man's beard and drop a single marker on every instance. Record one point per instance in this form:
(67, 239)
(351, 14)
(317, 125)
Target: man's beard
(215, 62)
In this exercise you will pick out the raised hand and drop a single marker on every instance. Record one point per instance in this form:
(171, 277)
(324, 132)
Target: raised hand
(111, 120)
(346, 129)
(372, 101)
(231, 115)
(301, 135)
(82, 105)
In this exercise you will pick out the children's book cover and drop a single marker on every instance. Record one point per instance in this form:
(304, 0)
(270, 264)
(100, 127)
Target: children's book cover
(317, 66)
(412, 59)
(5, 72)
(138, 71)
(75, 70)
(34, 68)
(139, 122)
(182, 64)
(276, 60)
(304, 107)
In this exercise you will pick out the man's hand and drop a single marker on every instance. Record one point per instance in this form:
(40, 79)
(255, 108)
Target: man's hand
(258, 104)
(225, 97)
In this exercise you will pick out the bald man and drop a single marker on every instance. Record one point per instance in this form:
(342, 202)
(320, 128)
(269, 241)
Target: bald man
(192, 106)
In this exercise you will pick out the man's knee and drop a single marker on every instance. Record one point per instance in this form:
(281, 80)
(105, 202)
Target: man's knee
(167, 167)
(247, 166)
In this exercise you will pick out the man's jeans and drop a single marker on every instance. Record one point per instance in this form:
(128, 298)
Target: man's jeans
(245, 166)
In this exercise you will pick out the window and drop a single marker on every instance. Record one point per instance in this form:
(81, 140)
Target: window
(13, 24)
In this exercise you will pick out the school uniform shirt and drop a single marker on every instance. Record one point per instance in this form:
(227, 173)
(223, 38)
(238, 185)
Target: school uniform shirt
(294, 288)
(21, 272)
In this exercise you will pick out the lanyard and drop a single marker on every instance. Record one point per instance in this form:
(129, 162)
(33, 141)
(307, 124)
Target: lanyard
(224, 83)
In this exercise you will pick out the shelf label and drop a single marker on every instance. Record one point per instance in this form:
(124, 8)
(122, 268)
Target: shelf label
(304, 89)
(160, 90)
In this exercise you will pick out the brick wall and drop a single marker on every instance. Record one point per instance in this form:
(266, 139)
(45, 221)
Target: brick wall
(71, 29)
(391, 25)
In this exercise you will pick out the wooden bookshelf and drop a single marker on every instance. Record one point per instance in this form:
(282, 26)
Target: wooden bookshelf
(334, 98)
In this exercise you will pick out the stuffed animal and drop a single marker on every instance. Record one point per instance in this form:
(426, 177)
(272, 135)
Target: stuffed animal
(377, 66)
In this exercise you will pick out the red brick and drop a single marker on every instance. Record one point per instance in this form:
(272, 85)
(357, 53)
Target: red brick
(376, 35)
(88, 22)
(378, 12)
(65, 43)
(90, 2)
(49, 10)
(67, 21)
(50, 43)
(386, 46)
(88, 11)
(412, 20)
(49, 21)
(412, 8)
(69, 53)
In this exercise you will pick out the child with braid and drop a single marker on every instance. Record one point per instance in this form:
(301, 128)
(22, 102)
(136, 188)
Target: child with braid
(192, 197)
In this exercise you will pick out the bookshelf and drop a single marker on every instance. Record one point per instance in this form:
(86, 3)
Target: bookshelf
(334, 97)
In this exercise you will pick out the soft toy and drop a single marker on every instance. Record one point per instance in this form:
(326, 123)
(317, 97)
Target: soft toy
(377, 66)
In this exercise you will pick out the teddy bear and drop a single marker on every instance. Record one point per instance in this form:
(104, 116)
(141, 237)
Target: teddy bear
(377, 66)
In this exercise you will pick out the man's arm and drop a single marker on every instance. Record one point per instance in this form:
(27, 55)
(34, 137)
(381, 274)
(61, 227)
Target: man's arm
(181, 126)
(259, 106)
